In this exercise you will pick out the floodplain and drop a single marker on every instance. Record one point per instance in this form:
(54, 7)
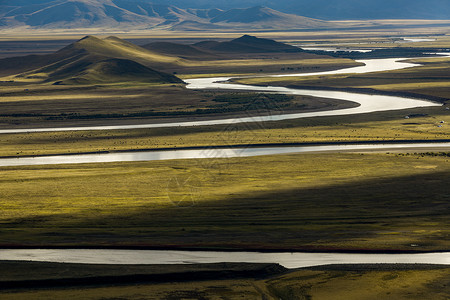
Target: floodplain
(364, 201)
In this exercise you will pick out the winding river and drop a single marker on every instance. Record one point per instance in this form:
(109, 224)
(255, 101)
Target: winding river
(286, 259)
(208, 153)
(367, 103)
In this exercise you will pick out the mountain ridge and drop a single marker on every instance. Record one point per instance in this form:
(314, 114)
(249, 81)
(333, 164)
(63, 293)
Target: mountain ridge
(334, 9)
(136, 14)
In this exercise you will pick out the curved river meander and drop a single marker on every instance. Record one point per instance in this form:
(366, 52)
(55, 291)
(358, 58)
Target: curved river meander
(368, 103)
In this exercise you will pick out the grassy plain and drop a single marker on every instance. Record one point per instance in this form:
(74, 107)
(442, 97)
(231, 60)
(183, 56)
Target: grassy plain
(247, 282)
(55, 106)
(366, 127)
(318, 202)
(363, 282)
(300, 202)
(63, 106)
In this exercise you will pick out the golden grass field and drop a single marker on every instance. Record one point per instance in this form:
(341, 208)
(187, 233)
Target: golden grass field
(376, 126)
(261, 282)
(298, 201)
(54, 201)
(373, 201)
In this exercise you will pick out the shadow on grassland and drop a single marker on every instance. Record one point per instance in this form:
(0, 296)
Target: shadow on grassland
(381, 215)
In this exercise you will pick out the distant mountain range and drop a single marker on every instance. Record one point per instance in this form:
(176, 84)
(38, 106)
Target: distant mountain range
(334, 9)
(208, 14)
(136, 14)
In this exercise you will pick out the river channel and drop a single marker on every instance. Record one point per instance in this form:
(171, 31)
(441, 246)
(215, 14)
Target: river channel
(286, 259)
(367, 103)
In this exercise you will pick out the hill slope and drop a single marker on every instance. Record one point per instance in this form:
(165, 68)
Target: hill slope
(248, 44)
(212, 50)
(334, 9)
(180, 50)
(117, 70)
(138, 14)
(265, 17)
(92, 60)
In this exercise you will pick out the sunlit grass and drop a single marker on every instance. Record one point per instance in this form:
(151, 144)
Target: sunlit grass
(349, 282)
(288, 201)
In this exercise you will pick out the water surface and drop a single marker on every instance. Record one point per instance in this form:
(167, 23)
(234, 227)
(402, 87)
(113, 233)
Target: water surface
(286, 259)
(205, 153)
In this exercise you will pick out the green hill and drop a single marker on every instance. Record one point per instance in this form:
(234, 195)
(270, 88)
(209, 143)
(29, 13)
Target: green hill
(92, 60)
(248, 44)
(118, 48)
(76, 62)
(117, 70)
(180, 50)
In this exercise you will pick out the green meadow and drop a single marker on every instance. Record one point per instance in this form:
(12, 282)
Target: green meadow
(372, 201)
(347, 201)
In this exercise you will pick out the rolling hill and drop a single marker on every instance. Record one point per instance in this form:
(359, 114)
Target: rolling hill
(116, 70)
(248, 44)
(245, 44)
(95, 60)
(138, 14)
(92, 60)
(180, 50)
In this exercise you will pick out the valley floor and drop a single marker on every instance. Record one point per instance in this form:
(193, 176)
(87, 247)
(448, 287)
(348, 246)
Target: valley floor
(337, 201)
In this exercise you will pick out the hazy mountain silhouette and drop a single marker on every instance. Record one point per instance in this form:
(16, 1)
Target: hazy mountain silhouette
(334, 9)
(137, 14)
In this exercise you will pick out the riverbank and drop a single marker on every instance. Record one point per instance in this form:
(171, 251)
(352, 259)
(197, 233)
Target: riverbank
(23, 280)
(429, 79)
(270, 145)
(115, 105)
(223, 153)
(271, 107)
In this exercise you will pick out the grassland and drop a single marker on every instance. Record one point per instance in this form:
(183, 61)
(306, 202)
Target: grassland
(317, 202)
(363, 282)
(247, 282)
(294, 202)
(25, 106)
(300, 202)
(61, 106)
(422, 125)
